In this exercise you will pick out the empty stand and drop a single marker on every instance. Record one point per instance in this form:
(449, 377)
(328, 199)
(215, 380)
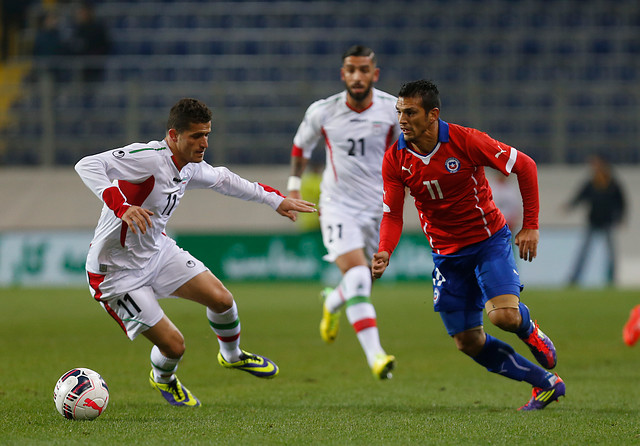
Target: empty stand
(557, 79)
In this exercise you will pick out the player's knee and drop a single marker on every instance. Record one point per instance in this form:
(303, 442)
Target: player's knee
(217, 297)
(503, 312)
(505, 318)
(222, 301)
(470, 342)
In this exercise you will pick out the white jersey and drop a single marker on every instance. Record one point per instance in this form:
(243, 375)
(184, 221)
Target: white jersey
(146, 176)
(355, 144)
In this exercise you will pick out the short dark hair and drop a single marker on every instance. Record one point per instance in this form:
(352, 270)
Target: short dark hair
(359, 51)
(188, 111)
(424, 89)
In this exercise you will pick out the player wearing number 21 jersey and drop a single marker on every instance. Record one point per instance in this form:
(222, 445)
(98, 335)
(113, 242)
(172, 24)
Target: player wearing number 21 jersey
(442, 166)
(357, 125)
(355, 142)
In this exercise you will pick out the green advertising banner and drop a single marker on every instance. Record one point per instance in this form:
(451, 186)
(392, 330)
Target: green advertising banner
(56, 258)
(294, 257)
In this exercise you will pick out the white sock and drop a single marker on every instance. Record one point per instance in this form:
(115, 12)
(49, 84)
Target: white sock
(362, 316)
(226, 326)
(356, 286)
(163, 368)
(355, 282)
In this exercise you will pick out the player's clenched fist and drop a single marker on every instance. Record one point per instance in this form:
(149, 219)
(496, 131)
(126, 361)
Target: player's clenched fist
(379, 263)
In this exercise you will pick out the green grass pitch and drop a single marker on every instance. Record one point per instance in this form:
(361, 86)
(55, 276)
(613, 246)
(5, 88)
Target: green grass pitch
(324, 394)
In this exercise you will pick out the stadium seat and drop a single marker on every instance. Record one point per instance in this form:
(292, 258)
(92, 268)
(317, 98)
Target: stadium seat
(275, 57)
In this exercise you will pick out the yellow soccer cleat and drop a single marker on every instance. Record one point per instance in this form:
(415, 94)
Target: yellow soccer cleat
(174, 392)
(251, 363)
(383, 365)
(330, 321)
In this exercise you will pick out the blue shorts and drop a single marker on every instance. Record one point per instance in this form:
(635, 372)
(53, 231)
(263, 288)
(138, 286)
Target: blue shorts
(464, 281)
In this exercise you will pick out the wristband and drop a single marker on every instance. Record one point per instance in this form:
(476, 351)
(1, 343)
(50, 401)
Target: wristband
(294, 183)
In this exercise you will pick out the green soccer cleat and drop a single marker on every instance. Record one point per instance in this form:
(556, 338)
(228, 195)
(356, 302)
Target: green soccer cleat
(174, 392)
(383, 365)
(255, 364)
(330, 321)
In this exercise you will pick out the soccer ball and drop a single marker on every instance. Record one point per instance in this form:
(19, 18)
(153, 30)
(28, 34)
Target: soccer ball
(81, 394)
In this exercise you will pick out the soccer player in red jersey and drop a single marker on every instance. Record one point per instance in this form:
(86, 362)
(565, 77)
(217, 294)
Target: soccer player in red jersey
(442, 166)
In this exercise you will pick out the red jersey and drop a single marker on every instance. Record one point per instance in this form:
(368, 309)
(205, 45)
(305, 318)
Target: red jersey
(450, 190)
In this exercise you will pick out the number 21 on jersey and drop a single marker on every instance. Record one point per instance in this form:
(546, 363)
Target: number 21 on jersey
(356, 147)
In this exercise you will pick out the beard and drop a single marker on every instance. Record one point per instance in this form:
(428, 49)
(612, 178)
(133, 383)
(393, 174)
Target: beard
(359, 96)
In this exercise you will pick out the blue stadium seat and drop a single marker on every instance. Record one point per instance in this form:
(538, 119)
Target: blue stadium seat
(601, 46)
(292, 48)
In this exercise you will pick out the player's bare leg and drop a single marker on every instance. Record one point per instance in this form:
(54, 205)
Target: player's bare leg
(222, 313)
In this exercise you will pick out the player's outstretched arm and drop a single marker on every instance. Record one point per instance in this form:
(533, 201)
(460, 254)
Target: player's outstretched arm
(379, 263)
(290, 206)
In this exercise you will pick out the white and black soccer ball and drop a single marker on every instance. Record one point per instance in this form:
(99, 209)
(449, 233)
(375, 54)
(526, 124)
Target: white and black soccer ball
(81, 394)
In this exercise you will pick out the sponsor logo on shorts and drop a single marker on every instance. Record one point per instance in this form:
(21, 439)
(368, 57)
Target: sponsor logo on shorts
(190, 263)
(118, 153)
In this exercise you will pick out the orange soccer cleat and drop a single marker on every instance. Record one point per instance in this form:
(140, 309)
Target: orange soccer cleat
(631, 330)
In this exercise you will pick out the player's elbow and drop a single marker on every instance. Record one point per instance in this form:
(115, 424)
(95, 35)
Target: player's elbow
(83, 165)
(79, 166)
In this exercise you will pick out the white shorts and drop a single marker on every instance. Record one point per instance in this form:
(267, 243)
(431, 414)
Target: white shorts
(131, 296)
(343, 232)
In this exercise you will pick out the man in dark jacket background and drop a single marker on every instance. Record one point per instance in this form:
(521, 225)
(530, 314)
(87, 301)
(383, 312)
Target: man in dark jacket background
(605, 199)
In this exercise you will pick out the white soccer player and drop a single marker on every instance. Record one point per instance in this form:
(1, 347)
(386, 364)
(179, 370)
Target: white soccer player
(132, 262)
(357, 125)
